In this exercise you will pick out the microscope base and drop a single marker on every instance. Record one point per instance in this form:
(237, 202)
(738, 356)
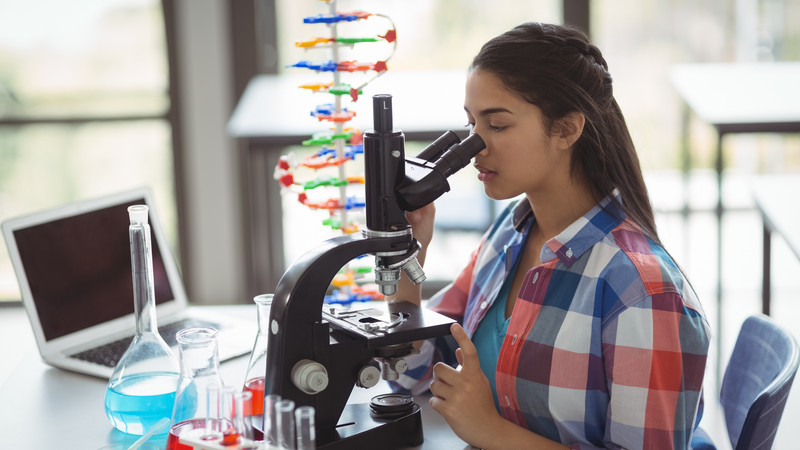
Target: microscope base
(360, 430)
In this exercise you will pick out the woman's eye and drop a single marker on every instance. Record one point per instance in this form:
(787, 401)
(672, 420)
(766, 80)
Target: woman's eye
(490, 127)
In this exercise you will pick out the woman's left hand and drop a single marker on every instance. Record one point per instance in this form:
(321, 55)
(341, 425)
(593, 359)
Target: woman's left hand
(464, 396)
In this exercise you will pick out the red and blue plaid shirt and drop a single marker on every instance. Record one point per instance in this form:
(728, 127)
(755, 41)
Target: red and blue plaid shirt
(607, 342)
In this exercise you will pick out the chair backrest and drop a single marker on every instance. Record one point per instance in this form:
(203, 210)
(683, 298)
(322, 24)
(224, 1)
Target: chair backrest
(757, 381)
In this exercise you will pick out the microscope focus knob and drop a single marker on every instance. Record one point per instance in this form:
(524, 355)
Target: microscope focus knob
(400, 365)
(310, 376)
(369, 376)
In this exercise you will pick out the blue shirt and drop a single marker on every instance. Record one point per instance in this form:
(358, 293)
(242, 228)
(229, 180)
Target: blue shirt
(489, 337)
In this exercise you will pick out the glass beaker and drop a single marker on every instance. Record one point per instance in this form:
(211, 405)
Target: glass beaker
(200, 387)
(141, 390)
(255, 377)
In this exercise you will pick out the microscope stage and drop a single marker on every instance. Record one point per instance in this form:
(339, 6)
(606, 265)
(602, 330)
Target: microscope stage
(389, 323)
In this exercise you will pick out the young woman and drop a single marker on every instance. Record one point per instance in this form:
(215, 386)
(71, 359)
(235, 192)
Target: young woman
(577, 327)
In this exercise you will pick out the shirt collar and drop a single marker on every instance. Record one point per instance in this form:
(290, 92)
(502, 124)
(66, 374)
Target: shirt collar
(522, 212)
(582, 234)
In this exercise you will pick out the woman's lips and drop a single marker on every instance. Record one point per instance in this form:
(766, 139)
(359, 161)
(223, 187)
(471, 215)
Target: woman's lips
(484, 174)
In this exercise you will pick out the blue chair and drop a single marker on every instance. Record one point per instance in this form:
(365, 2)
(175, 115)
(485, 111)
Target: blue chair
(757, 381)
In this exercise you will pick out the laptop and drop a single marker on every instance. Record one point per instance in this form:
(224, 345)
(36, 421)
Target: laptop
(73, 264)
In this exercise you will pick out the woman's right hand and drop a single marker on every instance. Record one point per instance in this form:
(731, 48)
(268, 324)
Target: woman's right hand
(421, 222)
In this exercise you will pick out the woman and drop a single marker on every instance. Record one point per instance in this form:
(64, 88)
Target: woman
(578, 327)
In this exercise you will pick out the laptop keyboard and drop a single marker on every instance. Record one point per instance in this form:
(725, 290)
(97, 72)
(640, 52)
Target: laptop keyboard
(109, 354)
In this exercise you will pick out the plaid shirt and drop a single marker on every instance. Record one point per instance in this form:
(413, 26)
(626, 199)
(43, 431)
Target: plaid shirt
(607, 342)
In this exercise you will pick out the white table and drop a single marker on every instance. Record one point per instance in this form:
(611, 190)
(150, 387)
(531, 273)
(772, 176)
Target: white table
(780, 214)
(42, 407)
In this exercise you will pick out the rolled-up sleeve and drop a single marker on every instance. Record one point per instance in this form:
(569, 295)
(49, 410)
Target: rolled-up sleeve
(654, 354)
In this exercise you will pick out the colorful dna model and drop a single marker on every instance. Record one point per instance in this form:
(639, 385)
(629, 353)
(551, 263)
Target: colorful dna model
(340, 143)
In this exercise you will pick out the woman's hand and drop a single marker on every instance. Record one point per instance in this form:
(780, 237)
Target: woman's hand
(464, 396)
(421, 222)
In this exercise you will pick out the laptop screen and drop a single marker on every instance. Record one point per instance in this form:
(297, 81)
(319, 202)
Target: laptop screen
(79, 269)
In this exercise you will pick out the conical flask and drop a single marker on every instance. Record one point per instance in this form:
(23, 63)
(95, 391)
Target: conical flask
(141, 390)
(255, 376)
(197, 409)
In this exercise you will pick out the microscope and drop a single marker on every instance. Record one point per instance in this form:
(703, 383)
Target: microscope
(316, 355)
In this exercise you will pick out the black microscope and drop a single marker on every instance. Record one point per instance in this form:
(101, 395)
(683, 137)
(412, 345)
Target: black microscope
(316, 356)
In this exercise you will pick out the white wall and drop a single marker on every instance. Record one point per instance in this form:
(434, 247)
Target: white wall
(215, 272)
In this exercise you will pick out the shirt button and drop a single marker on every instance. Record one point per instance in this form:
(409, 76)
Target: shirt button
(569, 253)
(514, 339)
(508, 402)
(484, 304)
(535, 277)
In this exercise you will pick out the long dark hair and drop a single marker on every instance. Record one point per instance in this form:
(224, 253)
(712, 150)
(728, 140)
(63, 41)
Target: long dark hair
(557, 69)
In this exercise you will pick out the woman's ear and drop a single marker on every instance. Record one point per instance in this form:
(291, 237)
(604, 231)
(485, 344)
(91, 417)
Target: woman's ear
(569, 128)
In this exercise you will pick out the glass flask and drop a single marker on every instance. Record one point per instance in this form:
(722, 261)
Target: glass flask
(141, 390)
(200, 390)
(255, 377)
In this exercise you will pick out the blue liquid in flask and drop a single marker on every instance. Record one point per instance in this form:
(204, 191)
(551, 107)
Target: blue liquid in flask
(136, 403)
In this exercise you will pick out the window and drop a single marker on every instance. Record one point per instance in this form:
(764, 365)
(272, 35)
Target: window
(83, 105)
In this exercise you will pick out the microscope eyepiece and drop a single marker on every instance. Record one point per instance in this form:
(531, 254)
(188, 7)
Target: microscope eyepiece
(439, 146)
(459, 155)
(426, 181)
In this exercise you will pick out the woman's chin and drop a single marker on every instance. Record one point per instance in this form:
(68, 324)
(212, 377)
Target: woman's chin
(496, 194)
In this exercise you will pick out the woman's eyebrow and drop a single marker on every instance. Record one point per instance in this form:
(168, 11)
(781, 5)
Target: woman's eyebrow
(489, 111)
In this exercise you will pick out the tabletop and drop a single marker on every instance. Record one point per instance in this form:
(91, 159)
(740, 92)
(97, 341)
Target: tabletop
(743, 97)
(47, 408)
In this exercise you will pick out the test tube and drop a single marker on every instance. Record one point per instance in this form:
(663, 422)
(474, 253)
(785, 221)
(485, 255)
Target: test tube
(271, 419)
(241, 422)
(212, 410)
(230, 434)
(285, 411)
(306, 435)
